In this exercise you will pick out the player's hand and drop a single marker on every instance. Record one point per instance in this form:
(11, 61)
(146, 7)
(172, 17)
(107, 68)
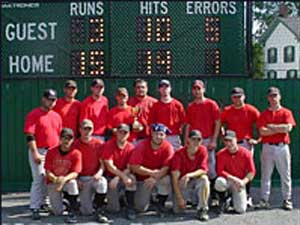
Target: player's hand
(80, 184)
(60, 182)
(181, 203)
(212, 145)
(184, 181)
(97, 176)
(252, 141)
(37, 157)
(127, 181)
(156, 174)
(150, 183)
(114, 183)
(239, 184)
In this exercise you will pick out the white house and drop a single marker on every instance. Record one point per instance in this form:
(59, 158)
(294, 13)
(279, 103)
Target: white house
(282, 48)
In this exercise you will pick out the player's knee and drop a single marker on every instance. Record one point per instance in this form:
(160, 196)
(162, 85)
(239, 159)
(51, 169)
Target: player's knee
(221, 184)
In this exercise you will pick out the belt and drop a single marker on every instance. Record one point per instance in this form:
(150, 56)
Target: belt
(242, 141)
(276, 144)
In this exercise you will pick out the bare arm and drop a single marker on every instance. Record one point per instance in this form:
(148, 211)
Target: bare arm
(176, 187)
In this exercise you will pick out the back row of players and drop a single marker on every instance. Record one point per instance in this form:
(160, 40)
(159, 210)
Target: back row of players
(145, 145)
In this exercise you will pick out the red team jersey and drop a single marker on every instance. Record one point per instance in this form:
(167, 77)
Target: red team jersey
(91, 153)
(144, 106)
(120, 157)
(45, 126)
(144, 155)
(202, 116)
(96, 111)
(62, 165)
(238, 164)
(282, 115)
(184, 164)
(170, 114)
(69, 112)
(240, 120)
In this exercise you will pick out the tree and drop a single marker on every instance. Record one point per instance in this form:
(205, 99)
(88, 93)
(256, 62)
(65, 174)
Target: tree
(258, 61)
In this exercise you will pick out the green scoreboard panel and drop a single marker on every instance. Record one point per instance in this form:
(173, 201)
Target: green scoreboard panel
(124, 38)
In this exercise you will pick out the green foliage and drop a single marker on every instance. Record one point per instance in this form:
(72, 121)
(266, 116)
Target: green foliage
(258, 61)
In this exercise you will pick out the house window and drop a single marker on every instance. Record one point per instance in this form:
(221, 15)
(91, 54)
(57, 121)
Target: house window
(272, 55)
(291, 74)
(272, 74)
(289, 54)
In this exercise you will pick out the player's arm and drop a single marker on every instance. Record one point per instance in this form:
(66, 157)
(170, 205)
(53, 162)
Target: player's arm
(31, 143)
(281, 128)
(248, 178)
(265, 131)
(176, 187)
(141, 170)
(213, 141)
(114, 170)
(100, 171)
(196, 173)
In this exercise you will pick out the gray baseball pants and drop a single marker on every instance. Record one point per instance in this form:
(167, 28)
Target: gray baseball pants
(88, 190)
(56, 198)
(194, 190)
(280, 157)
(212, 173)
(175, 141)
(38, 191)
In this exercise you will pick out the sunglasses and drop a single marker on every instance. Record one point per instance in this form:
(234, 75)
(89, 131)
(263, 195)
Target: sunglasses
(67, 138)
(196, 139)
(51, 99)
(87, 128)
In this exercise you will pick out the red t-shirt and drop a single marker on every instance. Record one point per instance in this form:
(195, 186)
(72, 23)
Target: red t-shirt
(62, 165)
(280, 116)
(120, 157)
(91, 154)
(146, 156)
(45, 126)
(238, 164)
(96, 111)
(116, 116)
(144, 106)
(170, 114)
(240, 120)
(69, 112)
(184, 164)
(202, 116)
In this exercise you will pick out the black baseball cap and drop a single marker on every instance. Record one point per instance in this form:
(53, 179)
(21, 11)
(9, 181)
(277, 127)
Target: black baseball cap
(195, 133)
(237, 91)
(273, 91)
(97, 82)
(67, 132)
(164, 82)
(70, 83)
(123, 127)
(50, 94)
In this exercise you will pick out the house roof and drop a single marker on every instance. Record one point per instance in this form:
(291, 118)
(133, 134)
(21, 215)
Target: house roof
(291, 23)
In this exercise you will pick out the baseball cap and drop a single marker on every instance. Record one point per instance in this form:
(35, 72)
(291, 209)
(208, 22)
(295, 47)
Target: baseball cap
(198, 83)
(50, 94)
(230, 134)
(237, 91)
(123, 127)
(160, 127)
(195, 133)
(70, 83)
(122, 90)
(87, 123)
(164, 82)
(273, 90)
(67, 132)
(97, 82)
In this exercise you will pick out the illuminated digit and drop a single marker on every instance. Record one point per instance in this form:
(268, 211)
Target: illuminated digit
(96, 30)
(163, 61)
(96, 62)
(213, 61)
(163, 29)
(78, 63)
(143, 29)
(144, 61)
(212, 29)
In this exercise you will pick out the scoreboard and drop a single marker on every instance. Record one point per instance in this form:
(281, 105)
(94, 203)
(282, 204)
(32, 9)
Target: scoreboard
(123, 38)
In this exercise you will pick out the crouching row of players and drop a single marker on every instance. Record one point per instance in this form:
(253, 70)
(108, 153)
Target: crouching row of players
(95, 171)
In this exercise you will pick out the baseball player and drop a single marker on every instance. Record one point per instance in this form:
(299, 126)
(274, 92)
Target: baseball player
(170, 112)
(95, 108)
(115, 154)
(42, 129)
(241, 118)
(203, 114)
(91, 180)
(142, 104)
(189, 175)
(274, 125)
(122, 113)
(235, 168)
(68, 107)
(62, 165)
(150, 162)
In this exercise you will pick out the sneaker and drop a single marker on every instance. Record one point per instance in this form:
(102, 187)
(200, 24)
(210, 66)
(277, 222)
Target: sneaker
(287, 205)
(36, 214)
(263, 204)
(130, 213)
(214, 202)
(100, 217)
(224, 206)
(45, 208)
(161, 211)
(203, 214)
(71, 218)
(249, 202)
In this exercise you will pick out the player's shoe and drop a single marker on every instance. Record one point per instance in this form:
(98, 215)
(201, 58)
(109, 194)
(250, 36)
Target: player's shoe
(203, 214)
(263, 204)
(249, 202)
(71, 219)
(100, 217)
(130, 214)
(36, 214)
(287, 205)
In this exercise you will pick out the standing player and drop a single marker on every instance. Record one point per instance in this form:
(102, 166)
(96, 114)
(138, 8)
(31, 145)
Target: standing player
(168, 111)
(203, 114)
(274, 125)
(241, 118)
(42, 129)
(116, 153)
(142, 104)
(91, 179)
(150, 162)
(235, 168)
(68, 107)
(189, 175)
(95, 108)
(62, 165)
